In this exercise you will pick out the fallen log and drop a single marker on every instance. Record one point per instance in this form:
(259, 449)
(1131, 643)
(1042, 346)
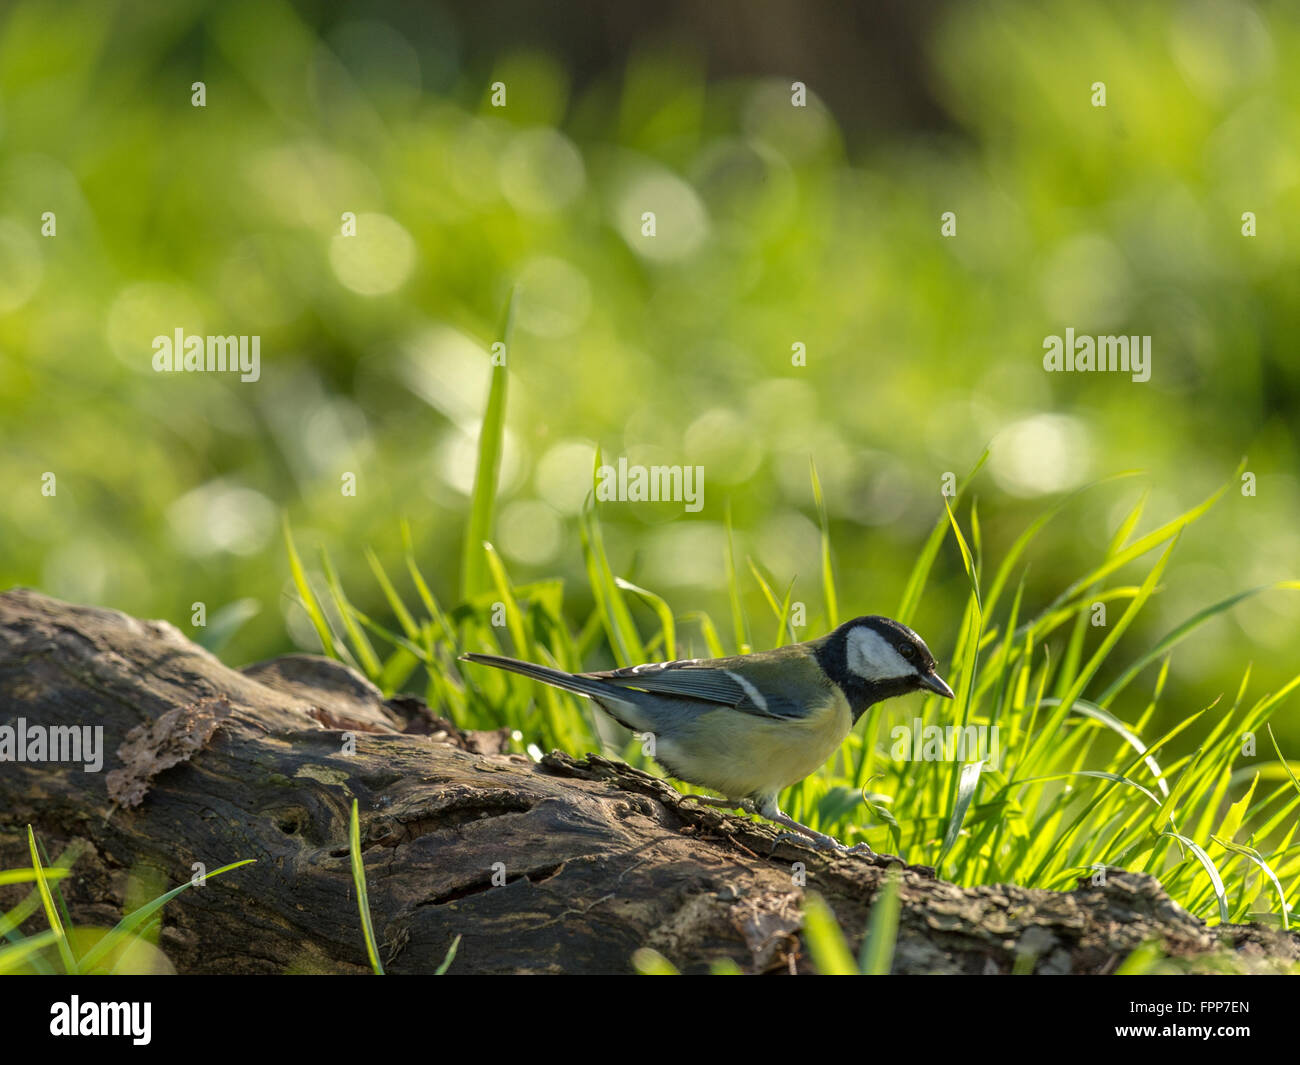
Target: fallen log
(557, 866)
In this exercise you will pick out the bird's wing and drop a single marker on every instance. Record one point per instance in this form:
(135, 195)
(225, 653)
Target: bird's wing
(777, 686)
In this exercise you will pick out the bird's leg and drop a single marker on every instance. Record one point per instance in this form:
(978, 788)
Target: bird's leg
(819, 839)
(768, 808)
(725, 804)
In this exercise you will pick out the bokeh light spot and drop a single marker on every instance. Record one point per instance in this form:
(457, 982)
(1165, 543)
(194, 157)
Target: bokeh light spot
(377, 260)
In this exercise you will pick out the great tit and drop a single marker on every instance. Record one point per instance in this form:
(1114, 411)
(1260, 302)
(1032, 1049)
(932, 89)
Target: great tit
(751, 725)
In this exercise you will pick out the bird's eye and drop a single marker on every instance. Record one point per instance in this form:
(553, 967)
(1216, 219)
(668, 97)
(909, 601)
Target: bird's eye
(907, 650)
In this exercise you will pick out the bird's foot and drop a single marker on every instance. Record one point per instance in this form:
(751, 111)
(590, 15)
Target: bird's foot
(822, 842)
(810, 837)
(798, 833)
(818, 843)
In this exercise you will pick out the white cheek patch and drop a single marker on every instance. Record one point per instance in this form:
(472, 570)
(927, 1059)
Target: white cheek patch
(872, 657)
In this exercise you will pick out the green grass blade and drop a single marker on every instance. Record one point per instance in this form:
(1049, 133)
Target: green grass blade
(1143, 961)
(1022, 542)
(1055, 844)
(966, 689)
(1152, 540)
(876, 957)
(308, 597)
(51, 913)
(1110, 721)
(1098, 774)
(12, 957)
(821, 932)
(662, 611)
(31, 902)
(828, 574)
(1181, 786)
(474, 576)
(920, 574)
(506, 594)
(1048, 734)
(361, 645)
(1252, 855)
(363, 897)
(1232, 819)
(1220, 893)
(132, 921)
(740, 630)
(966, 785)
(1181, 632)
(709, 633)
(783, 620)
(431, 605)
(449, 958)
(1281, 760)
(24, 876)
(395, 603)
(649, 962)
(56, 890)
(620, 628)
(764, 586)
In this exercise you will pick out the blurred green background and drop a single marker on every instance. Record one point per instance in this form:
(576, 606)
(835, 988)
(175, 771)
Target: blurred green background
(776, 225)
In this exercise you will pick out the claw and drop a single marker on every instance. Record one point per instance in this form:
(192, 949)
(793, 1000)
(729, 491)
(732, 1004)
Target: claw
(793, 837)
(818, 842)
(808, 836)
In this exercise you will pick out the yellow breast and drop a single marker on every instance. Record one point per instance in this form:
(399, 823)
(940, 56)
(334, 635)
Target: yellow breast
(742, 754)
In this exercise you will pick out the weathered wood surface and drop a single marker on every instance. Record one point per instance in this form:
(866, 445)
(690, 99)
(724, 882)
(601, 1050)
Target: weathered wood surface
(599, 859)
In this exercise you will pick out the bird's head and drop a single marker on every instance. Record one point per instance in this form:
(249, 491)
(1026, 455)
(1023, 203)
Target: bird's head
(873, 658)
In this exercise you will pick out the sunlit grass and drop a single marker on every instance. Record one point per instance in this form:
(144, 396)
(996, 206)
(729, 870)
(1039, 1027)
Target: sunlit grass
(127, 947)
(827, 946)
(830, 950)
(1080, 783)
(618, 335)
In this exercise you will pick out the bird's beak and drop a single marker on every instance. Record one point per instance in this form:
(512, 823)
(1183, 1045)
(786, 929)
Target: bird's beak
(933, 682)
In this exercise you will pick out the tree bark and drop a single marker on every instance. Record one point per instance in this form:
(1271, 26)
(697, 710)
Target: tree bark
(562, 866)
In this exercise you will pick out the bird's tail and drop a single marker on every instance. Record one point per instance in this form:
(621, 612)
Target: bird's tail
(557, 677)
(626, 707)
